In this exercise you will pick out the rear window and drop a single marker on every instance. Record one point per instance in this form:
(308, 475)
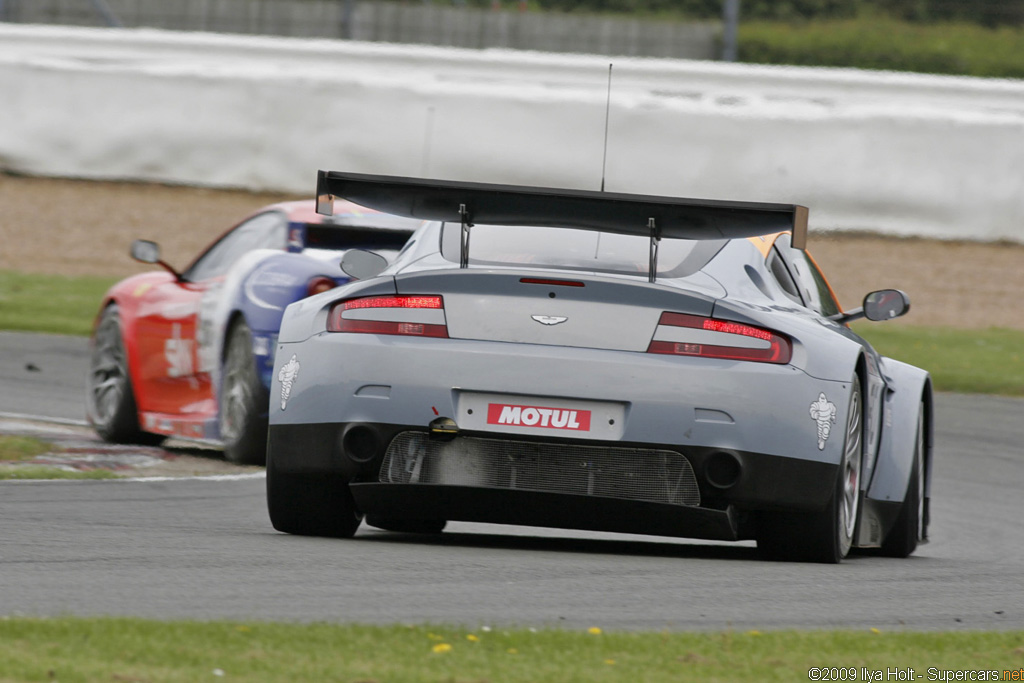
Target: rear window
(571, 249)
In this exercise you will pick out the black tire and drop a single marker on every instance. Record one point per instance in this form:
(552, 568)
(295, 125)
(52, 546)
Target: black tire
(909, 528)
(409, 526)
(243, 401)
(310, 504)
(110, 399)
(827, 535)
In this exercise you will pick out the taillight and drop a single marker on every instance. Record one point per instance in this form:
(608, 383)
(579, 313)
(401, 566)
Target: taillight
(319, 285)
(551, 283)
(690, 335)
(419, 316)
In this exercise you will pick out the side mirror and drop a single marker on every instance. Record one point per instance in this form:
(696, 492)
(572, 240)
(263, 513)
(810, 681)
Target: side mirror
(360, 264)
(149, 252)
(145, 251)
(886, 304)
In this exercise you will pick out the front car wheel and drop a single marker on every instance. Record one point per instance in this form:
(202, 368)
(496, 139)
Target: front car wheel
(110, 399)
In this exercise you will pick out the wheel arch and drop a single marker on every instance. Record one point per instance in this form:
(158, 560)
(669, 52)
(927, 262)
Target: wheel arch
(928, 399)
(910, 391)
(235, 316)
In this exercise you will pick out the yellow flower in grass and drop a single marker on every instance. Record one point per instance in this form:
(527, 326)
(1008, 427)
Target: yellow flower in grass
(472, 638)
(594, 631)
(512, 651)
(610, 662)
(875, 630)
(441, 648)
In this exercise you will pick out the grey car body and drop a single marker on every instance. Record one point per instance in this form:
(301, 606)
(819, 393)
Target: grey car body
(600, 361)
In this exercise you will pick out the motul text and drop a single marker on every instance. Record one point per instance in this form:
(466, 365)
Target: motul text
(538, 416)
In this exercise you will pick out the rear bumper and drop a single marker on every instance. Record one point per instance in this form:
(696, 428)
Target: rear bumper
(749, 482)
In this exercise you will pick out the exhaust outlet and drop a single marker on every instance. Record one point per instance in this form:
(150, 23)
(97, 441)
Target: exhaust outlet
(360, 443)
(722, 470)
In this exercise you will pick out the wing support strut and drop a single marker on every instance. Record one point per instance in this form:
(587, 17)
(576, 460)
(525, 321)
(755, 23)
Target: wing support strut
(467, 223)
(652, 273)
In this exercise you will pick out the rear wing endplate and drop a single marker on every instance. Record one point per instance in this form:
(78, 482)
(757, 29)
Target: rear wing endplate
(629, 214)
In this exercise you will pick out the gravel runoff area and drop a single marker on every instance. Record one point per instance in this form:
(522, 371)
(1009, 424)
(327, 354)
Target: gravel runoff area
(76, 227)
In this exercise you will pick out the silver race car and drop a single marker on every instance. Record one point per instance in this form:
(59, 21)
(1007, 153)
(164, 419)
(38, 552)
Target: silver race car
(601, 361)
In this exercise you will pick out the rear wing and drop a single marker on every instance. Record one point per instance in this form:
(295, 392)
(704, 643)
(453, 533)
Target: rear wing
(628, 214)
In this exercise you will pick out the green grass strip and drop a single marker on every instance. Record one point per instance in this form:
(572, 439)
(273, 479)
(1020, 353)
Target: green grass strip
(25, 472)
(879, 42)
(21, 448)
(115, 649)
(965, 361)
(50, 303)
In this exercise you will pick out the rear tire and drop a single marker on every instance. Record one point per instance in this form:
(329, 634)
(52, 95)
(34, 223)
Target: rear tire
(243, 401)
(311, 504)
(110, 399)
(909, 528)
(827, 535)
(409, 526)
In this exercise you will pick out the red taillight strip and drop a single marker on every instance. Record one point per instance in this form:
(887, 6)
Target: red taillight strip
(396, 315)
(778, 350)
(552, 283)
(393, 302)
(737, 328)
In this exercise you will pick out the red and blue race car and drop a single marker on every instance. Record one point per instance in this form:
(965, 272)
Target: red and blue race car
(190, 353)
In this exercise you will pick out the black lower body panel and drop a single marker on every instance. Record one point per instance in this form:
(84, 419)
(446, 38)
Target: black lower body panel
(746, 481)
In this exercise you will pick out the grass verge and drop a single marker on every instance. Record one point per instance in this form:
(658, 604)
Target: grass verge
(19, 449)
(116, 649)
(965, 361)
(50, 303)
(879, 42)
(26, 472)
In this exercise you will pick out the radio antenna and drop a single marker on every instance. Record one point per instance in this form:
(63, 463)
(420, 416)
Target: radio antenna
(607, 112)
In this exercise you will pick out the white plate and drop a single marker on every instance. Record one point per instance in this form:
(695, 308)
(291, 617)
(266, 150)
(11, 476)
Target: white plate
(565, 418)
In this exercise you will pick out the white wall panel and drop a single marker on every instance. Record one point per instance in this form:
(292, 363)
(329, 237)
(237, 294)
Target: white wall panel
(897, 153)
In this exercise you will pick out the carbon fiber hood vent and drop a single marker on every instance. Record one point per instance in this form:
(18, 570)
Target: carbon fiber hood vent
(657, 476)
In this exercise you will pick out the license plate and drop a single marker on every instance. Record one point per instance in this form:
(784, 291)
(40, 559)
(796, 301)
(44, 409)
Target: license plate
(563, 417)
(541, 417)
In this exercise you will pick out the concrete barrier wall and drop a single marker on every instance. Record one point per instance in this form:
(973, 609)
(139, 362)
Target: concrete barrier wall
(895, 153)
(398, 22)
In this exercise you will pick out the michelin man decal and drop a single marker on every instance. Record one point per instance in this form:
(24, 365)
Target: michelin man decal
(289, 372)
(823, 412)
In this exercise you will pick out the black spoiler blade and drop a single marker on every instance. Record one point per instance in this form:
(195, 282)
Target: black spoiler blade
(630, 214)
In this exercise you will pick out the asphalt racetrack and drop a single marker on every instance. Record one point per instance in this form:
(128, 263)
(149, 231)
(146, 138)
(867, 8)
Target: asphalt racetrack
(204, 549)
